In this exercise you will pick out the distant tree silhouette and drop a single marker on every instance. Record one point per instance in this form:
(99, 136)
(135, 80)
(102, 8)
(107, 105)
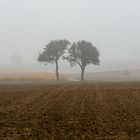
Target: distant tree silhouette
(126, 72)
(83, 53)
(53, 52)
(16, 58)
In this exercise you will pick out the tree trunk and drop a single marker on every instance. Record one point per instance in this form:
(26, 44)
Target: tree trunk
(82, 73)
(57, 71)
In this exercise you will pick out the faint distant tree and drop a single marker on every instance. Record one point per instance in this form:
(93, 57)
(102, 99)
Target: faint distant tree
(83, 53)
(16, 58)
(126, 72)
(53, 52)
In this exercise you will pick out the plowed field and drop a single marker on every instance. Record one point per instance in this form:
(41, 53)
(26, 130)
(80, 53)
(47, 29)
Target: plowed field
(70, 111)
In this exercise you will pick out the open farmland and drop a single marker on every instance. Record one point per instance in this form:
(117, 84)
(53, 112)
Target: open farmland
(70, 111)
(6, 76)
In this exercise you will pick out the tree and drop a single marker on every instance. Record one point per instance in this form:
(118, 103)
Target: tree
(16, 59)
(83, 53)
(53, 52)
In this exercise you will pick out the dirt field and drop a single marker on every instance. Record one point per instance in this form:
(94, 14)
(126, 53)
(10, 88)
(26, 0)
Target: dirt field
(70, 111)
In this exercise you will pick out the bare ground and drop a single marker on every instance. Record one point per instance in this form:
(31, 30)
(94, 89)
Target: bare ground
(70, 111)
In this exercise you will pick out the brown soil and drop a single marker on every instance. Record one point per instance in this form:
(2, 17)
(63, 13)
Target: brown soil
(70, 111)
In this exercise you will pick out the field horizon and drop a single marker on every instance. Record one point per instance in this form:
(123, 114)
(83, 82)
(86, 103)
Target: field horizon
(102, 76)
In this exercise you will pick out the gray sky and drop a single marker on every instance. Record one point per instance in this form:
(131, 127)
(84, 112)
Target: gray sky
(26, 26)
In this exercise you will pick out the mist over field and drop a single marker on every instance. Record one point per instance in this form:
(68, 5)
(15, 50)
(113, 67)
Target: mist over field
(28, 26)
(112, 26)
(69, 70)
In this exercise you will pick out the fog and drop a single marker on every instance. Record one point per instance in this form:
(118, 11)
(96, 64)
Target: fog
(26, 26)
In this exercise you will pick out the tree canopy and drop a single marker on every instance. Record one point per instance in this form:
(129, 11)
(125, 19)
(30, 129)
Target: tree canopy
(53, 51)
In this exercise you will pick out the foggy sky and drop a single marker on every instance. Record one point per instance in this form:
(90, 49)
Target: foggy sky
(26, 26)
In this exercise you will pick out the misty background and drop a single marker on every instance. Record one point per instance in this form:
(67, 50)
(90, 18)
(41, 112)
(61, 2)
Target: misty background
(26, 26)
